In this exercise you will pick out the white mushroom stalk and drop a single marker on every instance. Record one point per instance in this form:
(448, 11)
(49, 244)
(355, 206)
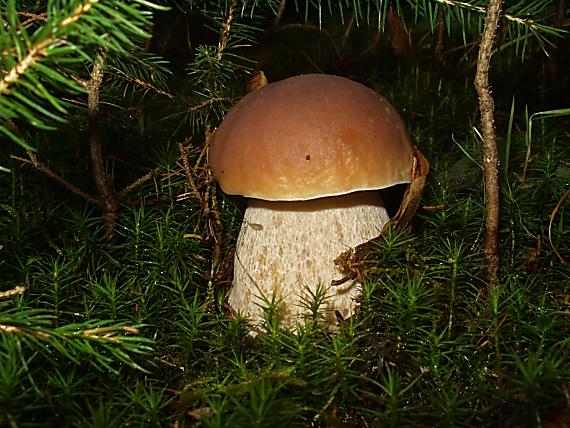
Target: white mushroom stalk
(286, 251)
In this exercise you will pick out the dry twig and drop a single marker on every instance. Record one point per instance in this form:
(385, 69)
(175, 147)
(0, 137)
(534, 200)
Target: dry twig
(188, 171)
(554, 212)
(37, 164)
(490, 154)
(20, 289)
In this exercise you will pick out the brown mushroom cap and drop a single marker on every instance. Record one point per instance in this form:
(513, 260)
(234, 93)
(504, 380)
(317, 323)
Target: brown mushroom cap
(308, 137)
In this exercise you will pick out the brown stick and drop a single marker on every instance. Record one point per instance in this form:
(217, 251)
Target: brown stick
(138, 182)
(206, 103)
(19, 289)
(490, 153)
(103, 182)
(399, 37)
(94, 132)
(554, 212)
(188, 171)
(279, 15)
(215, 225)
(37, 164)
(225, 31)
(349, 29)
(440, 35)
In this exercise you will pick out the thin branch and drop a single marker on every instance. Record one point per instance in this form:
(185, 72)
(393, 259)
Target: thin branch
(34, 16)
(206, 103)
(142, 83)
(554, 212)
(188, 171)
(97, 164)
(204, 152)
(225, 33)
(110, 202)
(31, 17)
(20, 289)
(279, 14)
(40, 49)
(215, 225)
(490, 153)
(127, 189)
(530, 23)
(440, 35)
(349, 29)
(37, 164)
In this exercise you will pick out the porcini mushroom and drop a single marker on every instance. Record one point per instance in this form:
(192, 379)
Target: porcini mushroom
(310, 152)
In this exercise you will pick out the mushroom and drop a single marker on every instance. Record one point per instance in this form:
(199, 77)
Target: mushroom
(310, 152)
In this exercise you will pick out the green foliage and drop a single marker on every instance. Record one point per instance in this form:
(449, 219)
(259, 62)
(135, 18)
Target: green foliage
(131, 333)
(522, 18)
(47, 44)
(45, 50)
(75, 341)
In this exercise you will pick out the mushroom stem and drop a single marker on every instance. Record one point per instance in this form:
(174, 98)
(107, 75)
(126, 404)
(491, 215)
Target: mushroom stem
(286, 251)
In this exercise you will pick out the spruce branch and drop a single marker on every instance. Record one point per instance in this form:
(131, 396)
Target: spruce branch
(529, 23)
(109, 199)
(41, 61)
(40, 48)
(217, 66)
(140, 70)
(137, 183)
(106, 342)
(40, 166)
(188, 171)
(225, 31)
(522, 18)
(94, 85)
(206, 103)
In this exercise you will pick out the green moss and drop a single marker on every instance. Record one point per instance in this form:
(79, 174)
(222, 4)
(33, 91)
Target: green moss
(430, 346)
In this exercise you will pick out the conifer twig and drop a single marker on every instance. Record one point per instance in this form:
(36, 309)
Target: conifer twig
(139, 181)
(279, 14)
(146, 85)
(206, 103)
(210, 206)
(225, 32)
(349, 29)
(527, 22)
(37, 164)
(103, 340)
(440, 35)
(20, 289)
(39, 50)
(104, 185)
(188, 171)
(490, 153)
(552, 215)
